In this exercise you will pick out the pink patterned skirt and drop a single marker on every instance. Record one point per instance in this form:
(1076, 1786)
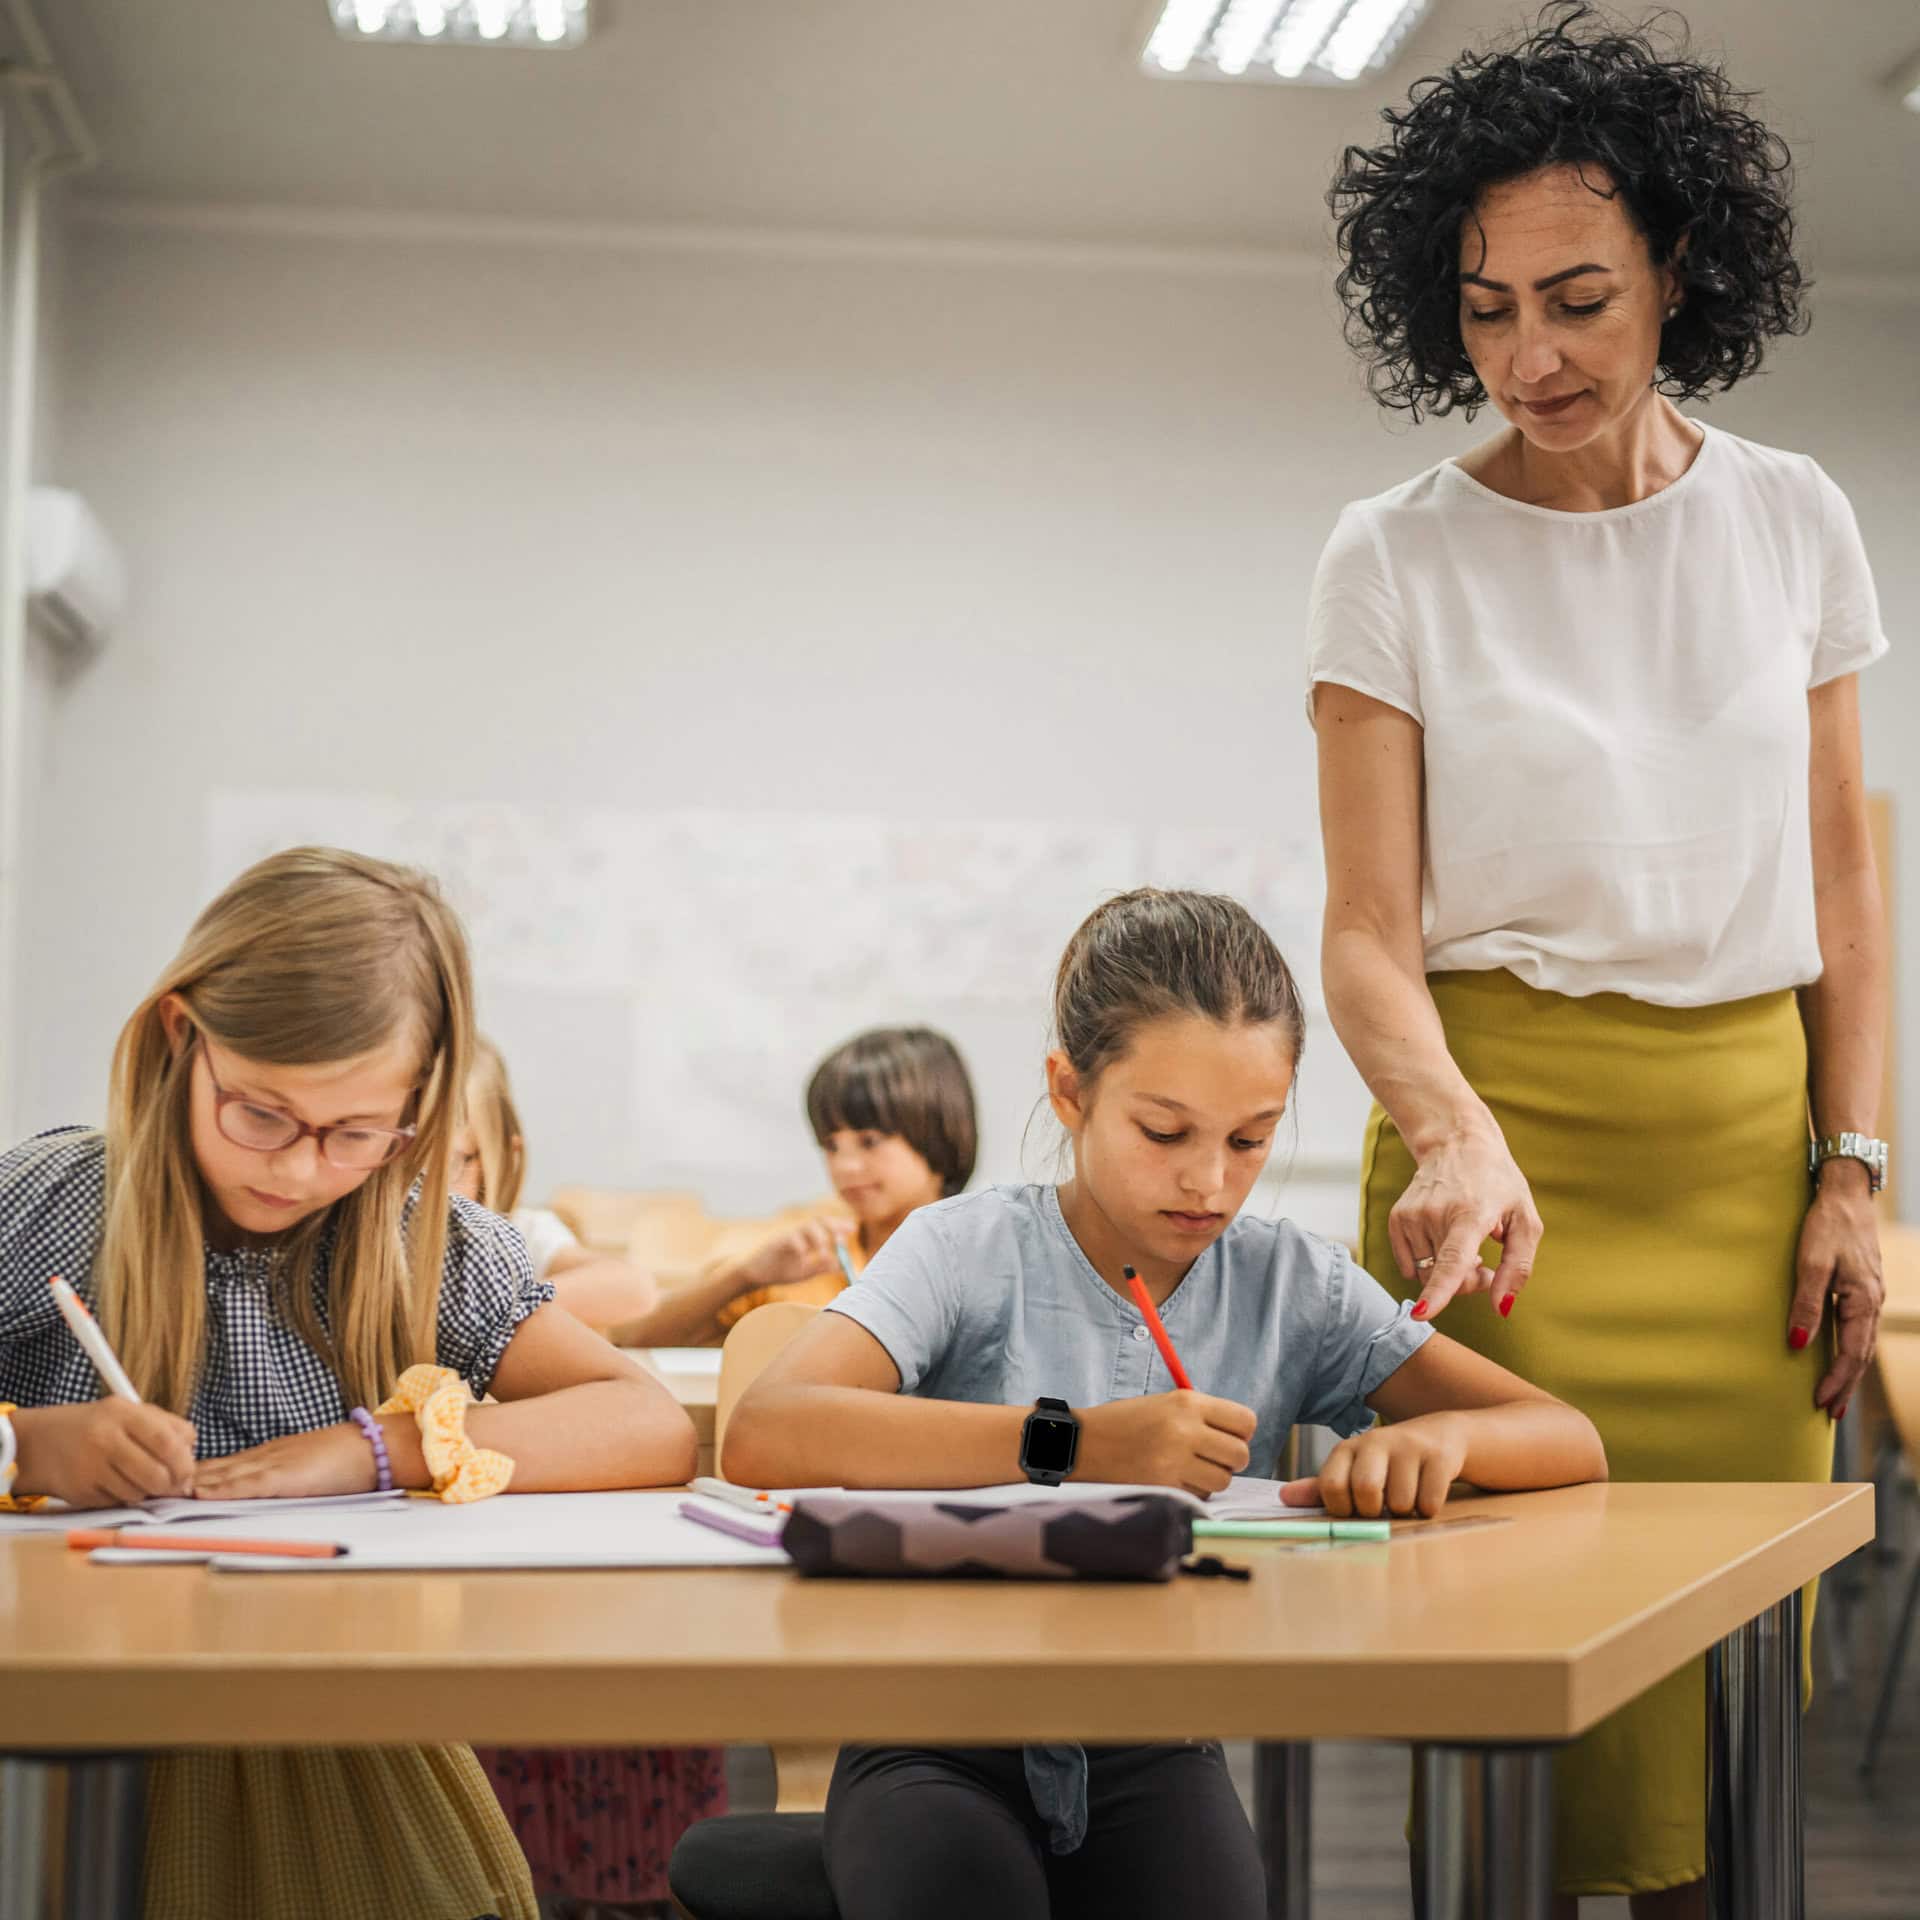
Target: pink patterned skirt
(599, 1823)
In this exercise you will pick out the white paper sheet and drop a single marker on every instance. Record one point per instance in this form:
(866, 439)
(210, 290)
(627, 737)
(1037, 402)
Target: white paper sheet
(516, 1531)
(1246, 1498)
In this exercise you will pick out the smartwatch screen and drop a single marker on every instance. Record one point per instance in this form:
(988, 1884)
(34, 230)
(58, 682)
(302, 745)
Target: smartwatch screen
(1050, 1443)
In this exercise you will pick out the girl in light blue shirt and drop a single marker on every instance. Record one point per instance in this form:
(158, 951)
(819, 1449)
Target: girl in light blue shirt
(1178, 1033)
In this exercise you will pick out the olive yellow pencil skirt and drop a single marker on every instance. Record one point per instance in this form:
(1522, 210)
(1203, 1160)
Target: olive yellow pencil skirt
(1667, 1153)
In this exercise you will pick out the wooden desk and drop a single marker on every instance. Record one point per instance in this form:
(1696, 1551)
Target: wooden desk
(695, 1384)
(1523, 1635)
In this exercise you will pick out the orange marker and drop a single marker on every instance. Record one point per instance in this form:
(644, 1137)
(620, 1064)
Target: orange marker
(1144, 1301)
(202, 1543)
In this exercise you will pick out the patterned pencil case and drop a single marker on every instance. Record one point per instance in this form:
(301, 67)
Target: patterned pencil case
(1131, 1536)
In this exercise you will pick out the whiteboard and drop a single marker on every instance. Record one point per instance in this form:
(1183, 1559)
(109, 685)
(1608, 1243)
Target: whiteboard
(663, 983)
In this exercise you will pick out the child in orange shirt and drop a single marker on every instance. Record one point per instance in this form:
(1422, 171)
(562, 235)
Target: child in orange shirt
(892, 1111)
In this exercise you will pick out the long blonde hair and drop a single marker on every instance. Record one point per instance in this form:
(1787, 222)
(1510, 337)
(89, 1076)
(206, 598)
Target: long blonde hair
(310, 957)
(494, 1122)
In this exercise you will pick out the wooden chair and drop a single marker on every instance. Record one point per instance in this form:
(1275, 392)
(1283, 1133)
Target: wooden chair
(603, 1217)
(750, 1345)
(746, 1866)
(673, 1244)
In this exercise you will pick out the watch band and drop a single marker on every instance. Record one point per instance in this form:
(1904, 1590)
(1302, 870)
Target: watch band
(1871, 1153)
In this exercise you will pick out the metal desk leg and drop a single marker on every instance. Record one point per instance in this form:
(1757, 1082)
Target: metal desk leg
(1756, 1794)
(1488, 1820)
(105, 1837)
(26, 1870)
(1283, 1824)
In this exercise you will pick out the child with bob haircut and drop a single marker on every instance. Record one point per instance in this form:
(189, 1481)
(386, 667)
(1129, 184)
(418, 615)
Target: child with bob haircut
(1178, 1031)
(265, 1233)
(892, 1113)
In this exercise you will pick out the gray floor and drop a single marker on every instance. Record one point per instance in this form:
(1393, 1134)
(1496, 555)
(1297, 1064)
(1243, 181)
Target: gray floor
(1863, 1842)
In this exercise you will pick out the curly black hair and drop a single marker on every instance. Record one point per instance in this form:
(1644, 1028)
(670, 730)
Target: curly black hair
(1680, 146)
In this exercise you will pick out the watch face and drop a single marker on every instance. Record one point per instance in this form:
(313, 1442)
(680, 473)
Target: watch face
(1050, 1443)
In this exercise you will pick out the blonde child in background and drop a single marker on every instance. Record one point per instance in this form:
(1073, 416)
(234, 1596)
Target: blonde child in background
(597, 1824)
(995, 1336)
(489, 1165)
(892, 1112)
(265, 1232)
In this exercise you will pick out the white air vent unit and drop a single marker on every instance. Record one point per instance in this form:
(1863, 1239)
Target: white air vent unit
(76, 583)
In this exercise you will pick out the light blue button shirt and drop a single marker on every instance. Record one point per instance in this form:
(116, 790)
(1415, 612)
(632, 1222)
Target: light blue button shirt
(988, 1298)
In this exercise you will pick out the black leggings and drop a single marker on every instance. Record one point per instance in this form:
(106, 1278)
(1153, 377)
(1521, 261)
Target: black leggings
(949, 1833)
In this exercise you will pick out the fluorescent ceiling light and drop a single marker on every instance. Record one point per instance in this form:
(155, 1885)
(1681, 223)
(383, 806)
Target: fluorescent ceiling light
(1906, 83)
(489, 23)
(1321, 42)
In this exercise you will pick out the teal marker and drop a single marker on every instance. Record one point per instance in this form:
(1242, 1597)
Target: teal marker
(1352, 1530)
(846, 1261)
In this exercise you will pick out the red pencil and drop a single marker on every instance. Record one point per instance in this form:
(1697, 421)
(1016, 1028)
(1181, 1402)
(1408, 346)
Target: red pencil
(1144, 1301)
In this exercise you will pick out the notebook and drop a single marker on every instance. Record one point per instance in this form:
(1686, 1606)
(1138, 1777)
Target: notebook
(57, 1516)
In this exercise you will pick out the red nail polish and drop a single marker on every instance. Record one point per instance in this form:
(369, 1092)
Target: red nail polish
(1419, 1310)
(1842, 1414)
(1506, 1306)
(1798, 1338)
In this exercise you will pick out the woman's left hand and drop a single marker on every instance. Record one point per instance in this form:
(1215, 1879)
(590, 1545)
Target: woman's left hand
(333, 1459)
(1403, 1468)
(1839, 1255)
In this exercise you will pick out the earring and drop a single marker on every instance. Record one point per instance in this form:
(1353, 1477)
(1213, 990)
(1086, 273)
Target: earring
(1672, 310)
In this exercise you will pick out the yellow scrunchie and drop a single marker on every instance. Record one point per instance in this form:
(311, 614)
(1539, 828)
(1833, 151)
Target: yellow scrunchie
(438, 1399)
(28, 1502)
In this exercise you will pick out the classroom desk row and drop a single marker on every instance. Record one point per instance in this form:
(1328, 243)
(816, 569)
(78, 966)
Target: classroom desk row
(1484, 1647)
(693, 1374)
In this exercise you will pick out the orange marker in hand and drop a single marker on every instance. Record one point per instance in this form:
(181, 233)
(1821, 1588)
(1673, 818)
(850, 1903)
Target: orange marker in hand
(1144, 1301)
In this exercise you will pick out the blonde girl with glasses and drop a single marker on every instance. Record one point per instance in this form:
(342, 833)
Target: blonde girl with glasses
(264, 1230)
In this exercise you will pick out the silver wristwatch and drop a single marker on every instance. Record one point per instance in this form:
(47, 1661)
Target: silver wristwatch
(1872, 1154)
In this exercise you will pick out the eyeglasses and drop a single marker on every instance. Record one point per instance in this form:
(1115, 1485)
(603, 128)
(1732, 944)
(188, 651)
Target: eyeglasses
(269, 1129)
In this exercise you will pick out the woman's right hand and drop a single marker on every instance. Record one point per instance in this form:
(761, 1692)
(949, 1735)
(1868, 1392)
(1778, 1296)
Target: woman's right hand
(104, 1453)
(1177, 1439)
(1466, 1191)
(797, 1254)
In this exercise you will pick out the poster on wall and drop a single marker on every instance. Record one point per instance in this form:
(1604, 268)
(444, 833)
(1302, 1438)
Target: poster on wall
(722, 953)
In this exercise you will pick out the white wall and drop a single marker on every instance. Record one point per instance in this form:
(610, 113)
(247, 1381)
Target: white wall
(37, 248)
(650, 530)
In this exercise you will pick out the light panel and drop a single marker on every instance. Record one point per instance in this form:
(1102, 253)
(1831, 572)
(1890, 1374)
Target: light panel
(481, 23)
(1315, 42)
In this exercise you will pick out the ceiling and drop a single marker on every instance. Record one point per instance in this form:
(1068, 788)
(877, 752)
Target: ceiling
(993, 119)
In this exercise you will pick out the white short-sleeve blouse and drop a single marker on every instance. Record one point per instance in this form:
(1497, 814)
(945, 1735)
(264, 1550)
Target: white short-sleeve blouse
(1614, 709)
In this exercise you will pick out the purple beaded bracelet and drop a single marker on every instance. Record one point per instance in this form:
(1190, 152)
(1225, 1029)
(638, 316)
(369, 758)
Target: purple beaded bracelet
(382, 1465)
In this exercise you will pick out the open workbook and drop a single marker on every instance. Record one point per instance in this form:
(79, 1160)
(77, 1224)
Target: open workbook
(56, 1516)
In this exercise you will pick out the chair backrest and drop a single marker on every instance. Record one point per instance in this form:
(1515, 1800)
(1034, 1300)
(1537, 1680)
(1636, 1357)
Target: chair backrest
(756, 1337)
(672, 1245)
(604, 1217)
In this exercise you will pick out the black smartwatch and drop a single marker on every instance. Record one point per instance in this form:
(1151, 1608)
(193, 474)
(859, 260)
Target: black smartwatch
(1049, 1442)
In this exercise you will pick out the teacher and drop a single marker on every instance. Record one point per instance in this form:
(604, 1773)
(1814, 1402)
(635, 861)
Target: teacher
(1602, 919)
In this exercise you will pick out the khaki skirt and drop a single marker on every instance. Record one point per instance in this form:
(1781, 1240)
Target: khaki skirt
(1667, 1152)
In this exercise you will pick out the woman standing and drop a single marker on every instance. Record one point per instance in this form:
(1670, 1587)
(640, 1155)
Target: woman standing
(1602, 915)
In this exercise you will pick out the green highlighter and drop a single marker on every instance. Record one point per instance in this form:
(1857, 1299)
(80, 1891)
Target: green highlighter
(1350, 1530)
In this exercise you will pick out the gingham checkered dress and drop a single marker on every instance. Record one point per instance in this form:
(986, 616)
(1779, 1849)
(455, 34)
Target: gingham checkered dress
(264, 1833)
